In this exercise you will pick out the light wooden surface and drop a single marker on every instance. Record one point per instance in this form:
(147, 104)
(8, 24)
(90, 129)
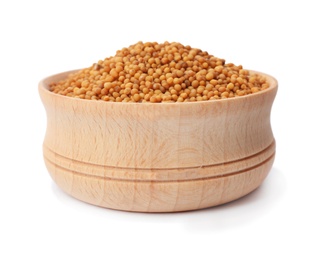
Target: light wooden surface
(158, 157)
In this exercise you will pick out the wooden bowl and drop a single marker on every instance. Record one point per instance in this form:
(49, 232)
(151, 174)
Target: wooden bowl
(163, 157)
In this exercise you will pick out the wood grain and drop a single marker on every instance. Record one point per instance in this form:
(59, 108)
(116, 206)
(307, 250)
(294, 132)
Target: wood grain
(158, 157)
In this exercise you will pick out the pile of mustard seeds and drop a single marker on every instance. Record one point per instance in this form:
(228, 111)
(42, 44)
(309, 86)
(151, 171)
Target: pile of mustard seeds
(153, 72)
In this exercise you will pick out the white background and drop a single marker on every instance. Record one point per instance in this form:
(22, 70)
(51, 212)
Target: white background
(280, 220)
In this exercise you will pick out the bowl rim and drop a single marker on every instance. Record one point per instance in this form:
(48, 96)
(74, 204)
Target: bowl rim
(44, 83)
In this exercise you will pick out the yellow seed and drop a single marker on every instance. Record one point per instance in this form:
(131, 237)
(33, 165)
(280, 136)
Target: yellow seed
(200, 89)
(177, 87)
(179, 73)
(127, 91)
(170, 80)
(222, 89)
(240, 80)
(209, 76)
(177, 81)
(183, 95)
(230, 86)
(195, 84)
(225, 94)
(134, 91)
(174, 97)
(153, 99)
(85, 84)
(136, 97)
(209, 87)
(109, 78)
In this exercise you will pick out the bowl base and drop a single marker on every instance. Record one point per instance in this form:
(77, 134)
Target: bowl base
(159, 196)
